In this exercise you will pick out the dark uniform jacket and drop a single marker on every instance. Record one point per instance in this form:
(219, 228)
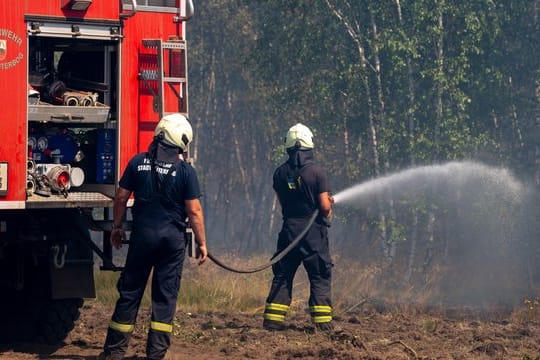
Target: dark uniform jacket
(298, 183)
(168, 187)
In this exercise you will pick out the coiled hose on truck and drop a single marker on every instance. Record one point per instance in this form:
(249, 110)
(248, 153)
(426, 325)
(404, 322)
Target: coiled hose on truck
(274, 259)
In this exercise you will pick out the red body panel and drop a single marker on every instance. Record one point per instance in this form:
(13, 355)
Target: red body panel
(136, 114)
(13, 76)
(99, 9)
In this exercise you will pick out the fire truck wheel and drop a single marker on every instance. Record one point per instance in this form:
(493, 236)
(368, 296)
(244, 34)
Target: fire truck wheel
(57, 319)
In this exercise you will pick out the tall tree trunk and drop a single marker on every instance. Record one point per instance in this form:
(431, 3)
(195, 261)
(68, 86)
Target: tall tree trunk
(428, 257)
(412, 250)
(353, 29)
(380, 123)
(516, 129)
(377, 70)
(439, 114)
(439, 54)
(411, 127)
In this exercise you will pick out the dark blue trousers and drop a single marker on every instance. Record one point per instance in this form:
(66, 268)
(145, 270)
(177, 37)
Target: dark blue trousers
(160, 251)
(313, 252)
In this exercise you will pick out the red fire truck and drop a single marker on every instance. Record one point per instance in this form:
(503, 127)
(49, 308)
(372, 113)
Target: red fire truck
(82, 85)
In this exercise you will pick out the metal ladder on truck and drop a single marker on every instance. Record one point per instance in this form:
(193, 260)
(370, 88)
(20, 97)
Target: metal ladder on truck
(166, 65)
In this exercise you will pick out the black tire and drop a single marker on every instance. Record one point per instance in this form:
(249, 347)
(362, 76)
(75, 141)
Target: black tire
(57, 319)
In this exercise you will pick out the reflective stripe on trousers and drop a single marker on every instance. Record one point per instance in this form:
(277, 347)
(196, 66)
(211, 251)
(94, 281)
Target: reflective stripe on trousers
(321, 313)
(123, 328)
(276, 312)
(159, 326)
(117, 340)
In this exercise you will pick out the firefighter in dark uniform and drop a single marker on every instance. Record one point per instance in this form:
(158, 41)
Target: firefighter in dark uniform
(166, 192)
(302, 187)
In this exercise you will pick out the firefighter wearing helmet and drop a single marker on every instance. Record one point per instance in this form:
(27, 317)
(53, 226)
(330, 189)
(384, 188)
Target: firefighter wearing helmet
(302, 187)
(166, 192)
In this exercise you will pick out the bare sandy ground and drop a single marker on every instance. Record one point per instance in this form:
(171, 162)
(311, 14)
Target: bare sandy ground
(370, 333)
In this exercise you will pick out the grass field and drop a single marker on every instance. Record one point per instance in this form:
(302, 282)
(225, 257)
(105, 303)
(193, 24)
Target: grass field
(355, 287)
(206, 287)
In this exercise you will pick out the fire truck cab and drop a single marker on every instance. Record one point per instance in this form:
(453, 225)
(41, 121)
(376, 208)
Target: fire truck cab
(82, 85)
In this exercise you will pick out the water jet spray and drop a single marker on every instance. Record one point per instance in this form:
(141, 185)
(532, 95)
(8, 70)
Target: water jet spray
(428, 179)
(458, 229)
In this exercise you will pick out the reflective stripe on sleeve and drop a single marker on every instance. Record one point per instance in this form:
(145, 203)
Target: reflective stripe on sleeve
(159, 326)
(123, 328)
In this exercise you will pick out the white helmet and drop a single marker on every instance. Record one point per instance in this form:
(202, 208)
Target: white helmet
(299, 135)
(175, 130)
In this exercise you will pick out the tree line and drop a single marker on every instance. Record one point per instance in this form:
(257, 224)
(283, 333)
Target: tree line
(385, 86)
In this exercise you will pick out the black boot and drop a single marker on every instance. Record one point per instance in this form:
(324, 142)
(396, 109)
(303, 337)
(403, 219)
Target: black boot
(273, 325)
(325, 326)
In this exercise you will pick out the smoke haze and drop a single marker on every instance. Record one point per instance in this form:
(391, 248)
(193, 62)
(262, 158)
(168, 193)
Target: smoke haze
(456, 233)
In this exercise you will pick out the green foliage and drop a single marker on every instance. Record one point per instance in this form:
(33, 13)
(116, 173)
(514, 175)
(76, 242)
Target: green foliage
(383, 87)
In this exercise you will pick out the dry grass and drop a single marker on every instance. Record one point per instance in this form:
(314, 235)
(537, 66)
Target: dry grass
(355, 288)
(206, 287)
(210, 288)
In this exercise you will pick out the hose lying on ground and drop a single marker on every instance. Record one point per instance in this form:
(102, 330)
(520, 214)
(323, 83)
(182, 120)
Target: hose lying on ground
(274, 259)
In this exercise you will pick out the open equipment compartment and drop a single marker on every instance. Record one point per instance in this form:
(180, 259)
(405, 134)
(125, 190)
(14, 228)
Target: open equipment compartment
(72, 121)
